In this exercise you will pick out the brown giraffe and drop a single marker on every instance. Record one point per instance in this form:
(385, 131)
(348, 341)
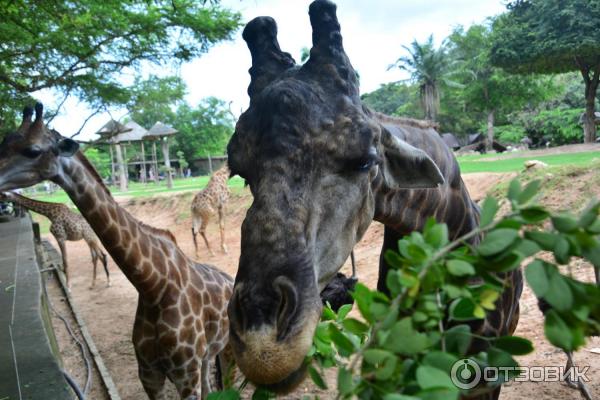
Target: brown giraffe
(321, 166)
(212, 198)
(181, 322)
(65, 225)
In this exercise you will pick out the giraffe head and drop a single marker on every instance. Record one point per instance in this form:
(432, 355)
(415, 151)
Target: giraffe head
(33, 152)
(309, 151)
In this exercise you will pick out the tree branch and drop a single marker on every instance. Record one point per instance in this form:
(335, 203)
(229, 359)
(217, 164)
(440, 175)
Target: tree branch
(98, 110)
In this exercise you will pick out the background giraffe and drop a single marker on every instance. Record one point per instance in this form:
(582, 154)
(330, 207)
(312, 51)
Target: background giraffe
(212, 198)
(65, 225)
(181, 322)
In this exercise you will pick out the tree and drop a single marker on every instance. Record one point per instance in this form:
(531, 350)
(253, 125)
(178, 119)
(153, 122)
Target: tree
(389, 97)
(203, 130)
(552, 36)
(430, 69)
(81, 47)
(489, 89)
(155, 99)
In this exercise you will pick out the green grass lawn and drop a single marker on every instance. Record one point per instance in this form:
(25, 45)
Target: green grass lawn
(479, 163)
(140, 189)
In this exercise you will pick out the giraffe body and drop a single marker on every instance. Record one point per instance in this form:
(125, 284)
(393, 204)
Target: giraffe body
(181, 321)
(210, 201)
(66, 225)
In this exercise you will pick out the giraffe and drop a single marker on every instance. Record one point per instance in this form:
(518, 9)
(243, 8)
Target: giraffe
(181, 322)
(213, 197)
(321, 166)
(65, 225)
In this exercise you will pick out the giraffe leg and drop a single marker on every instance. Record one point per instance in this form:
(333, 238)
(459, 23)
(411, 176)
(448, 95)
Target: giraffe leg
(104, 260)
(206, 387)
(153, 381)
(63, 252)
(203, 223)
(95, 262)
(195, 233)
(222, 228)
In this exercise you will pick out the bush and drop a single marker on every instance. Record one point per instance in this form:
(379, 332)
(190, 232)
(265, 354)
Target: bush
(510, 133)
(402, 346)
(558, 126)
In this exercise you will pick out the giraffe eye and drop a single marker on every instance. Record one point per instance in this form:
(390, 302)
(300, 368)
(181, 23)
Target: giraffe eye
(31, 152)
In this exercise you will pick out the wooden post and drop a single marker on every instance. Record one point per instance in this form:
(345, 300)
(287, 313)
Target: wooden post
(112, 165)
(165, 150)
(154, 162)
(143, 166)
(210, 165)
(122, 176)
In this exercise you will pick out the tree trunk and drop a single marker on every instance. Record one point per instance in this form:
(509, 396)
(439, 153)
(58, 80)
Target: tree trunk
(112, 165)
(121, 166)
(591, 75)
(589, 120)
(165, 150)
(489, 143)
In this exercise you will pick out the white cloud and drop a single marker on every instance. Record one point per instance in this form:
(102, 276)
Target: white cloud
(374, 33)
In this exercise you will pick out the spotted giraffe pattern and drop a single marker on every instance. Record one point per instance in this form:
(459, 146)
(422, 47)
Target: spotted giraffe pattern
(181, 322)
(210, 200)
(66, 225)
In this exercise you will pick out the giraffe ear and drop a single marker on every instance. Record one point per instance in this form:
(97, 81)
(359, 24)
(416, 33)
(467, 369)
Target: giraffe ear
(67, 147)
(407, 167)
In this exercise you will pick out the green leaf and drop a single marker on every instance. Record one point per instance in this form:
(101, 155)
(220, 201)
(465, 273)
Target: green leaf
(393, 282)
(440, 359)
(497, 241)
(537, 278)
(487, 299)
(514, 345)
(430, 377)
(527, 248)
(488, 211)
(561, 251)
(458, 339)
(355, 326)
(546, 240)
(396, 396)
(404, 339)
(557, 331)
(376, 356)
(514, 189)
(529, 192)
(534, 214)
(388, 368)
(317, 378)
(437, 235)
(363, 298)
(343, 311)
(559, 293)
(462, 309)
(344, 345)
(229, 394)
(460, 268)
(262, 394)
(590, 214)
(564, 223)
(345, 383)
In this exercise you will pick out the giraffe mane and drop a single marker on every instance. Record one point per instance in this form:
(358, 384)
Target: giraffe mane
(88, 165)
(165, 233)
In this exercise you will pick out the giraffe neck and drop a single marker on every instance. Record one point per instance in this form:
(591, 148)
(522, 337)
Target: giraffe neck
(147, 256)
(407, 210)
(49, 210)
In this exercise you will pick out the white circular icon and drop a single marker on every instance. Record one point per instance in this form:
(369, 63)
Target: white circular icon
(465, 374)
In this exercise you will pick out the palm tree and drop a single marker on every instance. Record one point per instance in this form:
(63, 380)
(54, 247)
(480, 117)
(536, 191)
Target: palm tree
(430, 69)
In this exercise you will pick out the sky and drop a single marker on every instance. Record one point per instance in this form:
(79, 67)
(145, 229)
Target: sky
(373, 35)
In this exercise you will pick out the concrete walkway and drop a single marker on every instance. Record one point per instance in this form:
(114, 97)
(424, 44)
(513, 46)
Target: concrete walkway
(28, 368)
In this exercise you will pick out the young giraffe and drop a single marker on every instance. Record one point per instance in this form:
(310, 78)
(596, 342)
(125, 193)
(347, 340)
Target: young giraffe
(65, 225)
(213, 197)
(181, 322)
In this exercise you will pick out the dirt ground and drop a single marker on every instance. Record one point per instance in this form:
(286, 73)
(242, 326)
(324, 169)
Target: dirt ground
(109, 312)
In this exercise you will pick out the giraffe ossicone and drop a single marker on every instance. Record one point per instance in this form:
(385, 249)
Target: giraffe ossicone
(181, 323)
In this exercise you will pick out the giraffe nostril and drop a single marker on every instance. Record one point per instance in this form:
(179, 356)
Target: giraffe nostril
(288, 306)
